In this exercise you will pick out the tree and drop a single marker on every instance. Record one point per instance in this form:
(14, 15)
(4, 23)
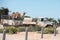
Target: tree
(59, 21)
(0, 15)
(27, 16)
(51, 20)
(3, 11)
(0, 12)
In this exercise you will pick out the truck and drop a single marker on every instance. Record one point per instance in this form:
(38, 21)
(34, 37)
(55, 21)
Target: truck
(44, 22)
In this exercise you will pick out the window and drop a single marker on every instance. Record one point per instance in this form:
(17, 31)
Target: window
(42, 19)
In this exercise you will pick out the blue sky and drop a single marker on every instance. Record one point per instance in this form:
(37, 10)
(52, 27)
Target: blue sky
(34, 8)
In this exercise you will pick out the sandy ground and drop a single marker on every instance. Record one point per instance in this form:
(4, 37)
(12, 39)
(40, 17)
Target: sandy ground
(31, 36)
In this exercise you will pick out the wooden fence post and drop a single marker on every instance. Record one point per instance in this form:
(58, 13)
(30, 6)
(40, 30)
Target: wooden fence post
(4, 35)
(42, 30)
(26, 34)
(54, 26)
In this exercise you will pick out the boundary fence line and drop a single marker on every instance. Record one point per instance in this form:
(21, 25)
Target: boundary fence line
(26, 33)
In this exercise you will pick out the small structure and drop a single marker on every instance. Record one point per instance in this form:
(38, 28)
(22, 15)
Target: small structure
(28, 21)
(13, 19)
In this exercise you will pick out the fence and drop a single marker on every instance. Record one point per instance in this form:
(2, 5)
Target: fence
(26, 33)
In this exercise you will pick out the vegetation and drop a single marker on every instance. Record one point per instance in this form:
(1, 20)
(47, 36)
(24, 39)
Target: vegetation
(13, 30)
(1, 30)
(59, 21)
(27, 16)
(35, 28)
(9, 30)
(4, 11)
(48, 30)
(51, 19)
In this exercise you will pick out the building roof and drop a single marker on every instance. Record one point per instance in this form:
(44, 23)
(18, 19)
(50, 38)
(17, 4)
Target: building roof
(28, 21)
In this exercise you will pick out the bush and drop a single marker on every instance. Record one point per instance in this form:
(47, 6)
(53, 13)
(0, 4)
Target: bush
(11, 30)
(49, 30)
(1, 30)
(35, 28)
(31, 29)
(21, 29)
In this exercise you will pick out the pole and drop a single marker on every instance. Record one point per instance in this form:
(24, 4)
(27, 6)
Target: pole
(4, 34)
(26, 35)
(42, 29)
(13, 20)
(54, 30)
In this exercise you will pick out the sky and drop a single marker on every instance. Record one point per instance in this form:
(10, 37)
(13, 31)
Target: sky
(34, 8)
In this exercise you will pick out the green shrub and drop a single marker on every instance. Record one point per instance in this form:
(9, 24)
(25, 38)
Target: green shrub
(31, 29)
(20, 29)
(35, 28)
(48, 30)
(11, 30)
(1, 30)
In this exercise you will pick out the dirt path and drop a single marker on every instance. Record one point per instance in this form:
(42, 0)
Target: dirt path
(31, 36)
